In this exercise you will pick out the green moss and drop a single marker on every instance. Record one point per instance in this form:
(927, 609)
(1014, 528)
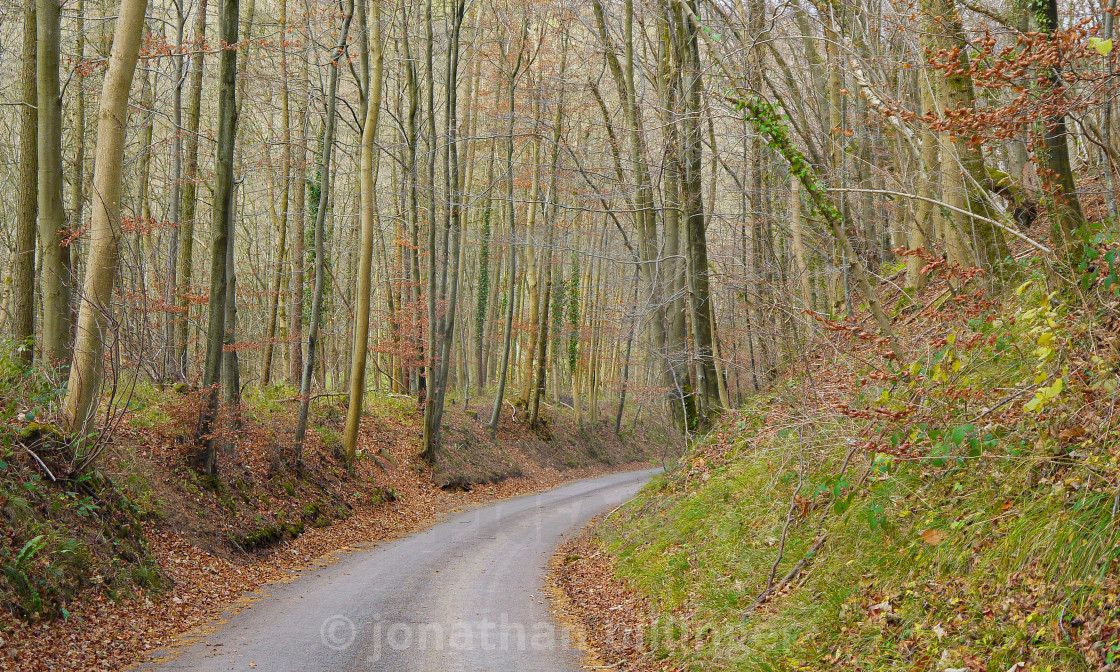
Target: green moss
(261, 537)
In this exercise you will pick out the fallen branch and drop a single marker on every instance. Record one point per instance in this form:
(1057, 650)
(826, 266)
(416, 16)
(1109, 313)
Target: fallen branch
(41, 464)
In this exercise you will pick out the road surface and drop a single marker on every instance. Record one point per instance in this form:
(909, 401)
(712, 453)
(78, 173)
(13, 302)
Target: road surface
(465, 594)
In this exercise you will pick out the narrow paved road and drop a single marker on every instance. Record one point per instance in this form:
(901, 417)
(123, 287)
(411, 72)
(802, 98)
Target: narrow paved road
(465, 594)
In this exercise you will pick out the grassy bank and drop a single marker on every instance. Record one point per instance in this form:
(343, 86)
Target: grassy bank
(954, 511)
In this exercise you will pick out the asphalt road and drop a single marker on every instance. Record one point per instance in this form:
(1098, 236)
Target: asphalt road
(465, 594)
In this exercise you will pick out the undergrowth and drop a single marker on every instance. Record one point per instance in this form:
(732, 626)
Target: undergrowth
(62, 530)
(957, 511)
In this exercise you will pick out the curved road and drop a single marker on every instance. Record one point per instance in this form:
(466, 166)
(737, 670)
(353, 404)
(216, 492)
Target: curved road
(465, 594)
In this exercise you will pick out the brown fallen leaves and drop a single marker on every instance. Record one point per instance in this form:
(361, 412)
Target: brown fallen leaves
(612, 617)
(103, 634)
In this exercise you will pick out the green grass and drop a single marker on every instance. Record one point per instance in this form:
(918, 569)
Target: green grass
(1024, 539)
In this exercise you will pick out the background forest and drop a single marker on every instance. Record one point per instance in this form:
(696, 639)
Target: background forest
(600, 200)
(640, 211)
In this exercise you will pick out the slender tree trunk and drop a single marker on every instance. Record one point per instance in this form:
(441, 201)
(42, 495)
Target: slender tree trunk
(298, 258)
(54, 238)
(23, 265)
(412, 250)
(168, 363)
(1068, 217)
(320, 234)
(367, 183)
(550, 217)
(285, 198)
(429, 104)
(94, 316)
(532, 281)
(800, 257)
(206, 459)
(499, 396)
(681, 401)
(449, 291)
(962, 165)
(190, 194)
(231, 374)
(274, 297)
(78, 134)
(231, 370)
(624, 387)
(921, 225)
(482, 304)
(692, 199)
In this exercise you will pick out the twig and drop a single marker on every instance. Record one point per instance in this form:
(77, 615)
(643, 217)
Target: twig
(1003, 403)
(936, 202)
(319, 396)
(789, 515)
(810, 554)
(41, 464)
(790, 575)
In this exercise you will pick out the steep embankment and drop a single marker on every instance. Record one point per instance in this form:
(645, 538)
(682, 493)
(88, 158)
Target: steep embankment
(955, 511)
(98, 570)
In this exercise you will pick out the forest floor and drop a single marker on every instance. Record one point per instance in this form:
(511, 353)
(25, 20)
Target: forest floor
(98, 571)
(956, 511)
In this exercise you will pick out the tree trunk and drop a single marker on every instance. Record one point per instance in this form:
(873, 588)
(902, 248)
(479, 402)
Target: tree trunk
(1067, 215)
(54, 237)
(77, 174)
(320, 235)
(367, 184)
(532, 280)
(482, 304)
(220, 222)
(550, 217)
(285, 199)
(190, 194)
(962, 165)
(297, 259)
(692, 200)
(274, 295)
(449, 285)
(168, 363)
(921, 225)
(23, 264)
(499, 396)
(93, 319)
(231, 374)
(800, 257)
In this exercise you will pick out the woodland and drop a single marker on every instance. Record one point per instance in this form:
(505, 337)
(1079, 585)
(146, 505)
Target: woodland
(595, 200)
(654, 208)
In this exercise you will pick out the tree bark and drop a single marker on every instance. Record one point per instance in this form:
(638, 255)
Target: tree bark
(320, 234)
(367, 184)
(78, 134)
(449, 284)
(285, 197)
(513, 70)
(1068, 217)
(206, 458)
(190, 195)
(55, 278)
(23, 264)
(94, 320)
(169, 360)
(297, 220)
